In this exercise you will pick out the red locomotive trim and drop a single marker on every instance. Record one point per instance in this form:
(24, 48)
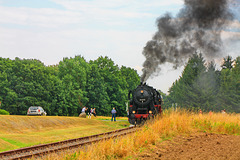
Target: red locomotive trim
(141, 115)
(130, 105)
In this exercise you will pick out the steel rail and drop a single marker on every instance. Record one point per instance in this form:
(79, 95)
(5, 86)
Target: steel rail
(44, 149)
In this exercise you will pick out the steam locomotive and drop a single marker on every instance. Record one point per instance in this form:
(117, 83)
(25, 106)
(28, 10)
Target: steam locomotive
(145, 103)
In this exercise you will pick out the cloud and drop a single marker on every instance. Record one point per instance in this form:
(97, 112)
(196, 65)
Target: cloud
(134, 5)
(51, 47)
(85, 14)
(230, 35)
(118, 8)
(231, 41)
(235, 24)
(138, 68)
(43, 17)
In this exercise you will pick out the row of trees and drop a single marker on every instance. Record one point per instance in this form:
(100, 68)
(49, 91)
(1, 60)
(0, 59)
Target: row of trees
(65, 88)
(201, 86)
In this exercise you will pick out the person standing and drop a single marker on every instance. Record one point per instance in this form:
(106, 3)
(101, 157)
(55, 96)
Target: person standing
(84, 110)
(83, 114)
(90, 113)
(114, 112)
(94, 112)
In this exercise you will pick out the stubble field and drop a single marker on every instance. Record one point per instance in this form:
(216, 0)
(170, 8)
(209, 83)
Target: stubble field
(174, 135)
(22, 131)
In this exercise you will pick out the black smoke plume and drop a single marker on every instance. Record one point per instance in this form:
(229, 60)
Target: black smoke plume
(196, 28)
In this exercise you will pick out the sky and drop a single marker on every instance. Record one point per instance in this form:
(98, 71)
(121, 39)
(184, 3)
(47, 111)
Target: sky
(50, 30)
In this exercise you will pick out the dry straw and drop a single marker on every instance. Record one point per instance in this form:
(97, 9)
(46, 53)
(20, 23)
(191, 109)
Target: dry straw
(171, 123)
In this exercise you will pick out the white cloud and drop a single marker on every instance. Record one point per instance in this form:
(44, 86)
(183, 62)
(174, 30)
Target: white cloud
(38, 17)
(85, 13)
(227, 35)
(235, 24)
(119, 4)
(116, 9)
(122, 46)
(231, 41)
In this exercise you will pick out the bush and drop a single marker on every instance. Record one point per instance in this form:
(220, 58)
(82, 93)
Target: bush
(3, 112)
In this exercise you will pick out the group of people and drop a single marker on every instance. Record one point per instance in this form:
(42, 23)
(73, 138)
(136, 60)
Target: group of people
(91, 112)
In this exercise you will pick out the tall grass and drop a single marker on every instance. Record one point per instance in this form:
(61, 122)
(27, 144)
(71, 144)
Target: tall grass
(170, 124)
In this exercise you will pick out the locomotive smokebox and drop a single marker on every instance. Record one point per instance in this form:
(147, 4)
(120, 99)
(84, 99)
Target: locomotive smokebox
(144, 101)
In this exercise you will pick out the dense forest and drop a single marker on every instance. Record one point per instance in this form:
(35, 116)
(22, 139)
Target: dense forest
(201, 86)
(65, 88)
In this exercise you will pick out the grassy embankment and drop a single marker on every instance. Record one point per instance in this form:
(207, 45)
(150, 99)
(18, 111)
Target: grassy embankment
(171, 124)
(22, 131)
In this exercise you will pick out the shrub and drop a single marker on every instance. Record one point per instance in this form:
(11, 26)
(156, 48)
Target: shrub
(3, 112)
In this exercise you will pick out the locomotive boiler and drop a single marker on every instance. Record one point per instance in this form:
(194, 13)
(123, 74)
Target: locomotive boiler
(145, 103)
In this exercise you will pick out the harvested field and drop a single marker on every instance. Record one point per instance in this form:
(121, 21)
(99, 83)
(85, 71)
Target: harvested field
(175, 135)
(200, 146)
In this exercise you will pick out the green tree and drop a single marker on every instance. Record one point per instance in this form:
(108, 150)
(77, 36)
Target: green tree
(227, 63)
(131, 77)
(73, 74)
(229, 94)
(205, 89)
(185, 91)
(97, 93)
(65, 88)
(114, 83)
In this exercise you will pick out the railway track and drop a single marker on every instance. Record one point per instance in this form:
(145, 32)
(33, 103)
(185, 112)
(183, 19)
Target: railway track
(44, 149)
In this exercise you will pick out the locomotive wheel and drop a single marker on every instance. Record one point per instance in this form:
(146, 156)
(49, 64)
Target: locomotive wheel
(132, 121)
(138, 122)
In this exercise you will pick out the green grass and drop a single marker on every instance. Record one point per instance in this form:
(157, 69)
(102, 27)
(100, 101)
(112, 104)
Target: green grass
(22, 131)
(109, 118)
(15, 143)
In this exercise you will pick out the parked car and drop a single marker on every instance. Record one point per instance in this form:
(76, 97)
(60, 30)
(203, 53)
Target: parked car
(36, 111)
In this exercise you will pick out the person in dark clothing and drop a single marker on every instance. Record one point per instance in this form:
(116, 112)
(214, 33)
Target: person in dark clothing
(90, 113)
(114, 112)
(94, 112)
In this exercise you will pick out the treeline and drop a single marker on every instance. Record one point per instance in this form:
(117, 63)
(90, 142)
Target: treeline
(201, 86)
(65, 88)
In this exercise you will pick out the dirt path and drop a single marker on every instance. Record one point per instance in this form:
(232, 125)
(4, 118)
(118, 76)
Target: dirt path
(204, 146)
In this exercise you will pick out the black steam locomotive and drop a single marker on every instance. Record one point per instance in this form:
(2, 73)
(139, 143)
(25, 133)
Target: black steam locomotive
(145, 103)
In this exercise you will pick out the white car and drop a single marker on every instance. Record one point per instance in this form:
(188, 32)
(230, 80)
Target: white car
(36, 111)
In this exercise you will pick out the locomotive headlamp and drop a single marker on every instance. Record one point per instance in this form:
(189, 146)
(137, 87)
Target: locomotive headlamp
(150, 112)
(133, 112)
(141, 91)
